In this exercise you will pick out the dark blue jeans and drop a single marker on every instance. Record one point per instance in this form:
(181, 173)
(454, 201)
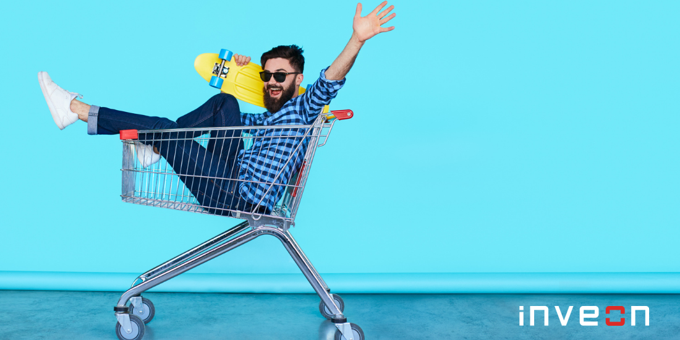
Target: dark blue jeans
(190, 161)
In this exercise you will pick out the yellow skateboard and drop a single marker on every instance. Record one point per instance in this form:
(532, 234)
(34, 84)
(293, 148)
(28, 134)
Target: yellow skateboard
(243, 82)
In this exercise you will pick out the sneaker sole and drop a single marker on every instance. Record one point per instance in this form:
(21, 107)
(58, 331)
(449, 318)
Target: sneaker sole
(48, 100)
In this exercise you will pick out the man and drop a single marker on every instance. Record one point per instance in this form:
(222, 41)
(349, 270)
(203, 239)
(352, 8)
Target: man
(262, 170)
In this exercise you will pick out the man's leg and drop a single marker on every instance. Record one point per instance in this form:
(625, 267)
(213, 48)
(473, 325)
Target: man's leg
(221, 110)
(209, 174)
(187, 157)
(208, 178)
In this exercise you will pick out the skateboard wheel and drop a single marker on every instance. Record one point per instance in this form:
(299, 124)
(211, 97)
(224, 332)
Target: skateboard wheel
(225, 54)
(216, 82)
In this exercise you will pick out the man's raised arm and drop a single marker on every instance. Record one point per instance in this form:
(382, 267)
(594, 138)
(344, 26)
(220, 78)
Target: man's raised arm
(364, 28)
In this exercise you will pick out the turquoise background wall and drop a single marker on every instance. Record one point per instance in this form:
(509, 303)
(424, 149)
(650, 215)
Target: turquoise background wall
(489, 137)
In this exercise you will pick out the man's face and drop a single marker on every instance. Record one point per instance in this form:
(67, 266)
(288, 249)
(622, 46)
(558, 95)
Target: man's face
(276, 94)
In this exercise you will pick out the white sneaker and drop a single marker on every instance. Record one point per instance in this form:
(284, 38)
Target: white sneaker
(58, 100)
(145, 154)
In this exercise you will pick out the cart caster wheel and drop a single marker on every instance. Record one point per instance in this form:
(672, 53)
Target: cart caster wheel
(357, 333)
(137, 329)
(225, 54)
(216, 82)
(146, 313)
(326, 312)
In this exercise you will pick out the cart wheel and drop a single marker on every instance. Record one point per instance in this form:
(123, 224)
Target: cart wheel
(216, 82)
(326, 312)
(146, 313)
(225, 54)
(357, 333)
(137, 329)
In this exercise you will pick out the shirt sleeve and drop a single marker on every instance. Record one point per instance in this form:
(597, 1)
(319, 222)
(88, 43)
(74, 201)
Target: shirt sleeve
(252, 119)
(318, 95)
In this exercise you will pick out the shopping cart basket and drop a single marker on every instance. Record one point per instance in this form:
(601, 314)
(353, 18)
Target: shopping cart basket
(216, 171)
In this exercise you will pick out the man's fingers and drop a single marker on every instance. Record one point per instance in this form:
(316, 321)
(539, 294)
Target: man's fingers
(241, 60)
(386, 29)
(388, 18)
(385, 12)
(377, 9)
(358, 12)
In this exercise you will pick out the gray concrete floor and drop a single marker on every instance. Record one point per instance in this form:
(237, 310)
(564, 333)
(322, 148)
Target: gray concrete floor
(89, 315)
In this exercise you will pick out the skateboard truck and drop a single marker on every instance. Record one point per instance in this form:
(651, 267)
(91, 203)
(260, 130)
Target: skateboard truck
(218, 67)
(219, 70)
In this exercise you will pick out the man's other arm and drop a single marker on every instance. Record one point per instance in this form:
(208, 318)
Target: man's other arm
(364, 28)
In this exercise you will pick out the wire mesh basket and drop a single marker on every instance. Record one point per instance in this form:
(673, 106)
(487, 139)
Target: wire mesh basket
(256, 173)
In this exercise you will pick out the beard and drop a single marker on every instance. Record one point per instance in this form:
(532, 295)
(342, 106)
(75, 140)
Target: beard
(273, 105)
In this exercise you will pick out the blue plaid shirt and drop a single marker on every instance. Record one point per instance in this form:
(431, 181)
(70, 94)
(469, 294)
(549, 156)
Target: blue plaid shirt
(270, 156)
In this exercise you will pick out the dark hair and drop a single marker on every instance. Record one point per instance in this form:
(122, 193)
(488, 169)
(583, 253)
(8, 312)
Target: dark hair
(292, 53)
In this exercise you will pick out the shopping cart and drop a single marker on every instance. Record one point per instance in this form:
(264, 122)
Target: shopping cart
(210, 171)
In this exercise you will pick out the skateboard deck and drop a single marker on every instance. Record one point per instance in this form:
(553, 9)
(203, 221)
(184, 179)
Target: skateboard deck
(243, 82)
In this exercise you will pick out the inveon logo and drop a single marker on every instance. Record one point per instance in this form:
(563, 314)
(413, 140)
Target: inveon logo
(586, 314)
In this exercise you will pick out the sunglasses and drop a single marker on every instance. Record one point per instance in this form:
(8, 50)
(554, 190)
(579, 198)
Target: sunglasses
(280, 77)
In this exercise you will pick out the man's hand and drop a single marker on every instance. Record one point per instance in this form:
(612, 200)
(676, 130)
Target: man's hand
(364, 28)
(369, 26)
(241, 60)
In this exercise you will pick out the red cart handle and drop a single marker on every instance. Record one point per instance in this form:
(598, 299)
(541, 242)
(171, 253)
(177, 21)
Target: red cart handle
(341, 114)
(128, 134)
